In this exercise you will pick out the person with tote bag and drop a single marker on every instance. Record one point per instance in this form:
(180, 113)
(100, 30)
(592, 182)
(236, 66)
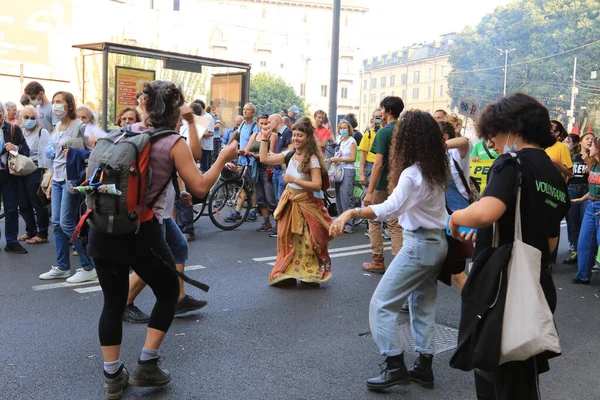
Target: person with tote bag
(532, 186)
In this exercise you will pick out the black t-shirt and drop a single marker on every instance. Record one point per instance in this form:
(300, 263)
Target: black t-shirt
(544, 200)
(580, 171)
(358, 137)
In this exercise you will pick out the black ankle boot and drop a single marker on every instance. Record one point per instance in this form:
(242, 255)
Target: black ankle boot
(421, 372)
(393, 374)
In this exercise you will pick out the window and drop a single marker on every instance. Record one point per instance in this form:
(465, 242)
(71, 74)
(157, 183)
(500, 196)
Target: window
(381, 96)
(383, 81)
(393, 80)
(373, 98)
(344, 93)
(302, 90)
(442, 72)
(305, 18)
(403, 94)
(346, 21)
(365, 98)
(430, 75)
(263, 64)
(384, 59)
(365, 84)
(364, 117)
(417, 76)
(282, 66)
(429, 92)
(416, 93)
(373, 83)
(264, 13)
(403, 79)
(323, 90)
(441, 90)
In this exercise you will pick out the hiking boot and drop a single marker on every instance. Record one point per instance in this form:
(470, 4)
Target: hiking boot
(377, 266)
(135, 315)
(393, 374)
(421, 372)
(15, 247)
(55, 273)
(81, 275)
(234, 217)
(252, 216)
(265, 227)
(148, 373)
(114, 384)
(187, 304)
(572, 260)
(190, 237)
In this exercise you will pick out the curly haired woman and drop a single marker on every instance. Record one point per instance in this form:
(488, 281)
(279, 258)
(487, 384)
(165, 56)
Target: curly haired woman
(419, 174)
(303, 221)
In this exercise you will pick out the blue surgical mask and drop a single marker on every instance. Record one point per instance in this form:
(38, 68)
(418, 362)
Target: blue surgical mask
(511, 149)
(377, 121)
(344, 132)
(29, 123)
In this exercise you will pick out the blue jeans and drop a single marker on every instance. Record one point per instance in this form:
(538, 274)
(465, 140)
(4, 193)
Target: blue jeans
(35, 225)
(176, 241)
(368, 170)
(576, 213)
(9, 194)
(344, 191)
(205, 160)
(65, 213)
(589, 238)
(411, 276)
(185, 217)
(278, 183)
(454, 199)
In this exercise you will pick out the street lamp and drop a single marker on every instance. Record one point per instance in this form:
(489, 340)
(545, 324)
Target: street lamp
(505, 64)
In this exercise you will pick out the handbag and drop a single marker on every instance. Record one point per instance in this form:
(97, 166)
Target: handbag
(528, 327)
(472, 186)
(18, 164)
(336, 170)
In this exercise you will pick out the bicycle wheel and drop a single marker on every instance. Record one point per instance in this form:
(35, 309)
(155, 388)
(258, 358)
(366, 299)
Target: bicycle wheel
(357, 201)
(222, 203)
(198, 209)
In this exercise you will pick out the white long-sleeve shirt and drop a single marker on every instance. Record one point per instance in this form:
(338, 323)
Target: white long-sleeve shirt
(414, 203)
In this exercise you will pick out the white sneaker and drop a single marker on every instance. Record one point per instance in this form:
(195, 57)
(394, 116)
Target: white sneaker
(81, 275)
(55, 273)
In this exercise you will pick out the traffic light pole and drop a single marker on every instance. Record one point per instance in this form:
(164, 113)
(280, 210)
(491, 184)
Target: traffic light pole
(335, 53)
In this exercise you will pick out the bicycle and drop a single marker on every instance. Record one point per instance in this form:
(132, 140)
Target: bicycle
(356, 200)
(224, 199)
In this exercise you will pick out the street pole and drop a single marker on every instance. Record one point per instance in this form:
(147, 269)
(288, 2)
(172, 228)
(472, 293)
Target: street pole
(573, 91)
(335, 52)
(506, 65)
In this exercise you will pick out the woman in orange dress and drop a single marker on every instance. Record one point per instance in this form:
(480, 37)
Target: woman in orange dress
(302, 220)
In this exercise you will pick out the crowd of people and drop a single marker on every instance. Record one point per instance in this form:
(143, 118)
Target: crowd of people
(413, 165)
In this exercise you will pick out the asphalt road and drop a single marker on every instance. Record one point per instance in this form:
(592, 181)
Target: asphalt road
(252, 341)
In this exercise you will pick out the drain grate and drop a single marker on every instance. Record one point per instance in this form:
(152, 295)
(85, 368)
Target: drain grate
(446, 338)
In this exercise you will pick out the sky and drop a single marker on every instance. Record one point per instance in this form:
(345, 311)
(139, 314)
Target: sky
(417, 21)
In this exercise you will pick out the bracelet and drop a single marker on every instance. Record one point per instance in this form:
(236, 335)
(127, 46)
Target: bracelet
(265, 140)
(357, 211)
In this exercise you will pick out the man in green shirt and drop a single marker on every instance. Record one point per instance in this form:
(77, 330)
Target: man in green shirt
(377, 192)
(482, 152)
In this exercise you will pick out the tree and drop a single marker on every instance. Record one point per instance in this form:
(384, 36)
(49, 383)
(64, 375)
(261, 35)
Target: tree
(270, 94)
(543, 32)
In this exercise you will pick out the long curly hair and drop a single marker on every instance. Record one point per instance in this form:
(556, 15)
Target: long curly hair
(419, 140)
(311, 148)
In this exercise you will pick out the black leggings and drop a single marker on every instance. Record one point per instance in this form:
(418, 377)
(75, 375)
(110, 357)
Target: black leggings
(151, 250)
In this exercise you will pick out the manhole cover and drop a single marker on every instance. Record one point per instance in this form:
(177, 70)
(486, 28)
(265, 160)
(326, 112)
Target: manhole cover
(446, 338)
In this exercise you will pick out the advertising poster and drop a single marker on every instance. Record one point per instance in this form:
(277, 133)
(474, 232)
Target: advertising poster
(128, 82)
(479, 171)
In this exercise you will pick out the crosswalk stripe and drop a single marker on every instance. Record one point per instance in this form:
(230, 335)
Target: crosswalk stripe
(88, 289)
(336, 250)
(61, 284)
(350, 253)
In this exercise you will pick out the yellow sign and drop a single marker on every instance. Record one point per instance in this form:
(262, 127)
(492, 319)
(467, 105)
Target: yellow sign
(129, 81)
(479, 172)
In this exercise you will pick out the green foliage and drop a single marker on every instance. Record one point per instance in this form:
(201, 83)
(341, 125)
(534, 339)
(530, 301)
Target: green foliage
(536, 29)
(270, 94)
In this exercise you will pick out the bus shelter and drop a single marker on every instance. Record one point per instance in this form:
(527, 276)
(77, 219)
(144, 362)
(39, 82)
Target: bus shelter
(111, 74)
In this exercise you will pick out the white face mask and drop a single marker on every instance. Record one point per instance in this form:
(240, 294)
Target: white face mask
(59, 110)
(36, 102)
(513, 148)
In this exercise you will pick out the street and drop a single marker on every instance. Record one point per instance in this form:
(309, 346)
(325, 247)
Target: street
(253, 341)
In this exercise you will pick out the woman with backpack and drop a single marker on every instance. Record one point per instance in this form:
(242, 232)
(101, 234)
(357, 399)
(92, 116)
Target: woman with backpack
(419, 176)
(518, 124)
(302, 220)
(146, 250)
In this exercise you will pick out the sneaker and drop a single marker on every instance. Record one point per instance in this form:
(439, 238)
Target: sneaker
(265, 227)
(367, 233)
(571, 260)
(252, 216)
(75, 253)
(81, 275)
(15, 248)
(273, 233)
(190, 237)
(386, 234)
(596, 267)
(393, 374)
(114, 384)
(135, 315)
(188, 304)
(55, 273)
(404, 309)
(234, 217)
(148, 373)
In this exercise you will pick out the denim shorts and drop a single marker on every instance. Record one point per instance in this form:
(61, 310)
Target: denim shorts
(176, 241)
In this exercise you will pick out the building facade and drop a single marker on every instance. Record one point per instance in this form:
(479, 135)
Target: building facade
(416, 73)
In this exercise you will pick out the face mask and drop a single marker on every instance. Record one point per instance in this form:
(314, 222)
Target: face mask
(511, 149)
(29, 123)
(377, 121)
(344, 132)
(36, 102)
(59, 111)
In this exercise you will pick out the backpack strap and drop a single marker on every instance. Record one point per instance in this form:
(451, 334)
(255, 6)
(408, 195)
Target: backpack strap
(488, 152)
(154, 136)
(462, 177)
(289, 156)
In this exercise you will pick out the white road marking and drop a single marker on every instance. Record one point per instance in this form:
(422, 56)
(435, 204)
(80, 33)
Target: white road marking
(346, 254)
(336, 250)
(88, 289)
